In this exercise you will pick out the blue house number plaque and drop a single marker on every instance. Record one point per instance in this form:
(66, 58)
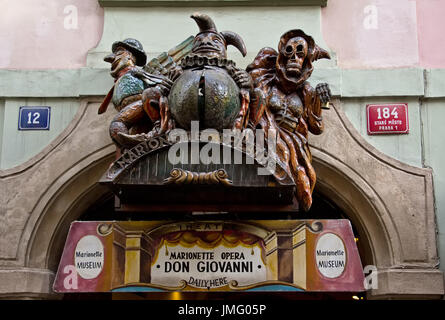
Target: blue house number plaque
(34, 118)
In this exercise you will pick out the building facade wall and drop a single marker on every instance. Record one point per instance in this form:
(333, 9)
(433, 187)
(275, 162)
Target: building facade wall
(382, 53)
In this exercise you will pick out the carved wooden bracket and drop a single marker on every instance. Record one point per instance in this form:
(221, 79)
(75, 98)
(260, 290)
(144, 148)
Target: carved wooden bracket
(180, 176)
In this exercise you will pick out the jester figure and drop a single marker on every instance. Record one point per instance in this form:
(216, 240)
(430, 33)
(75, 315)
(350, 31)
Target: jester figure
(292, 107)
(204, 87)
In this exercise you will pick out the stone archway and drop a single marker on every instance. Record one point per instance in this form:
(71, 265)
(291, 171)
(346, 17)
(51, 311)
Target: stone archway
(68, 205)
(389, 202)
(43, 195)
(361, 205)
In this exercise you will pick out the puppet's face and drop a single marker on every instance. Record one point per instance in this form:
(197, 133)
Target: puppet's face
(293, 55)
(210, 45)
(120, 59)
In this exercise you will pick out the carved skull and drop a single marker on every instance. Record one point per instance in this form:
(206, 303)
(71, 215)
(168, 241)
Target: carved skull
(294, 53)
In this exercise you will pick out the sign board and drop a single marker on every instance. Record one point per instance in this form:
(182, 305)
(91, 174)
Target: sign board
(266, 255)
(207, 268)
(34, 118)
(387, 118)
(330, 255)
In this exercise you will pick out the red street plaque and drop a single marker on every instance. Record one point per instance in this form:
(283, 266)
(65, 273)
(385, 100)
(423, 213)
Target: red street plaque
(387, 118)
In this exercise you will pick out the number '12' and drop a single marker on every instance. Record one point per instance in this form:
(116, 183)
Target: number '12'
(35, 120)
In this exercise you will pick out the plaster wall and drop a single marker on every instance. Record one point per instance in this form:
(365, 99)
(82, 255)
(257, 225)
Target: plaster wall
(2, 122)
(56, 34)
(19, 146)
(430, 25)
(404, 147)
(433, 113)
(385, 34)
(372, 34)
(39, 34)
(166, 27)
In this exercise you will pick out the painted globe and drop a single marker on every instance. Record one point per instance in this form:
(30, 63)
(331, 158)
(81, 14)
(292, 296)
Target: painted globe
(209, 96)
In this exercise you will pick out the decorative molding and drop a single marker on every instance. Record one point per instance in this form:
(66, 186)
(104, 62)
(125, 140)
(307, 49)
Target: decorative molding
(392, 284)
(180, 176)
(22, 282)
(210, 3)
(434, 83)
(65, 83)
(69, 83)
(382, 82)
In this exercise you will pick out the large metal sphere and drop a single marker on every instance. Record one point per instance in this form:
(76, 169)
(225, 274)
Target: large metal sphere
(216, 105)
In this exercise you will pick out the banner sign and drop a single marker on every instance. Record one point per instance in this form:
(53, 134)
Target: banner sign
(269, 255)
(387, 118)
(204, 267)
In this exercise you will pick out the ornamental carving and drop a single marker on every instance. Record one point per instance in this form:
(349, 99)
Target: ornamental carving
(196, 81)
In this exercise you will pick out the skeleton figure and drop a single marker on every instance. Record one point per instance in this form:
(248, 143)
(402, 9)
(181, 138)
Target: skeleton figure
(292, 106)
(209, 51)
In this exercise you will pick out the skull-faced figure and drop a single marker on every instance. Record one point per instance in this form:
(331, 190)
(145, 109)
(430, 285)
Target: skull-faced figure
(292, 57)
(293, 107)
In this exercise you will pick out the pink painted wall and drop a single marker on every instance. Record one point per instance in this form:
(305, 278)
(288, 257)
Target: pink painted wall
(431, 28)
(407, 33)
(33, 33)
(386, 33)
(384, 36)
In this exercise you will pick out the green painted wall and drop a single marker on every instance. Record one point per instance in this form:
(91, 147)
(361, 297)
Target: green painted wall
(356, 88)
(433, 115)
(404, 147)
(19, 146)
(2, 122)
(160, 28)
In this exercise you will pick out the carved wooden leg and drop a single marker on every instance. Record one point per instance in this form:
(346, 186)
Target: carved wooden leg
(150, 100)
(165, 114)
(124, 120)
(257, 106)
(241, 119)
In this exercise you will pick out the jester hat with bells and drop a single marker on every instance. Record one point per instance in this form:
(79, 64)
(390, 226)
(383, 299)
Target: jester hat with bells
(206, 25)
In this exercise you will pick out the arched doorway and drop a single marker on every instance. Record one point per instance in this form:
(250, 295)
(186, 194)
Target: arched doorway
(92, 202)
(383, 211)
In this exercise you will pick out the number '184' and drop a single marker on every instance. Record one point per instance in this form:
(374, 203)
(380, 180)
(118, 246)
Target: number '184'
(385, 113)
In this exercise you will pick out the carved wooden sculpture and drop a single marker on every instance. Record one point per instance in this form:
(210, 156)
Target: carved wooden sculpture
(127, 59)
(205, 87)
(292, 107)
